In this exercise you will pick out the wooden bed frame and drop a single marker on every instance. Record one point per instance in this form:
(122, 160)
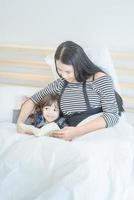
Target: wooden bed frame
(25, 65)
(124, 66)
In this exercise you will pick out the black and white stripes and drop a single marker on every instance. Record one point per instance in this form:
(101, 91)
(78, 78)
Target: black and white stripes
(100, 94)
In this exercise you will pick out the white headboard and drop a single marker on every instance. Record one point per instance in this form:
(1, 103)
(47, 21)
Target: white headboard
(24, 65)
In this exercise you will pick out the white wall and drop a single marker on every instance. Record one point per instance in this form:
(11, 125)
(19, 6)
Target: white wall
(47, 22)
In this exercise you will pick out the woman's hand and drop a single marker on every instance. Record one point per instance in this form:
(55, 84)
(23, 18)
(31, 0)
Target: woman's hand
(67, 133)
(19, 128)
(23, 128)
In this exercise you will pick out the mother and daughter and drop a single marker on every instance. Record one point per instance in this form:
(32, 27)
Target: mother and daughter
(83, 90)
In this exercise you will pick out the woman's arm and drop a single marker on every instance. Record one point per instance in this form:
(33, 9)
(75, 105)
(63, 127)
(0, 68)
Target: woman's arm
(26, 110)
(69, 133)
(109, 115)
(91, 126)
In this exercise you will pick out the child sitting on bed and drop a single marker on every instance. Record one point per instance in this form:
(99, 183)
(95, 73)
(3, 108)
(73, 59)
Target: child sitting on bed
(45, 118)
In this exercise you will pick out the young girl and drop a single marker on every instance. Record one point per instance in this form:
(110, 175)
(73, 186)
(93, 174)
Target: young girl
(46, 117)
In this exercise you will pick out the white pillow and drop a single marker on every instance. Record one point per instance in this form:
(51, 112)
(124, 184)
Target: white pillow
(50, 61)
(10, 97)
(100, 56)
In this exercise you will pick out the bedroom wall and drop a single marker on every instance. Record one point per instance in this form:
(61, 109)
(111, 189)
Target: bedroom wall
(47, 23)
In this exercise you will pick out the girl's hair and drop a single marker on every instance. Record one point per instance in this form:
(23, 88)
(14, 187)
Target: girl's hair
(48, 100)
(70, 53)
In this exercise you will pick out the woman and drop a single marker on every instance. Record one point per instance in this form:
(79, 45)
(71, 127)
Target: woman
(84, 90)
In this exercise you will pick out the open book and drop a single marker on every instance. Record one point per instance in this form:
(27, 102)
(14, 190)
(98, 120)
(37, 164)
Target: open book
(46, 130)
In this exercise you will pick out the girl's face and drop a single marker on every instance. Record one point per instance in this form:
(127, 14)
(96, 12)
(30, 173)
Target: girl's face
(51, 113)
(66, 71)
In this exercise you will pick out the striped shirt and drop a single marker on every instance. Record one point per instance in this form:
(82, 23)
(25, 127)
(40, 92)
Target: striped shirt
(100, 94)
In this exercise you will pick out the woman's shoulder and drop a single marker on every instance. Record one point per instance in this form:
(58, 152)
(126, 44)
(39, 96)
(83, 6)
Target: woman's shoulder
(57, 84)
(99, 75)
(102, 82)
(59, 81)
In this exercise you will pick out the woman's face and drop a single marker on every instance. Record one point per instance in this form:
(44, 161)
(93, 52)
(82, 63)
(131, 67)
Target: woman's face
(51, 113)
(66, 71)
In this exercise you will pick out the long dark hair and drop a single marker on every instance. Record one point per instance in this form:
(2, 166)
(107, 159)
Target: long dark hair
(70, 53)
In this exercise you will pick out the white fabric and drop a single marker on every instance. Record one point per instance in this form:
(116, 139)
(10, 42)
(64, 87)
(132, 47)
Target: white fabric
(95, 166)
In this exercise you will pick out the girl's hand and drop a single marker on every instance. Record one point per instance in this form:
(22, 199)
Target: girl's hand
(67, 133)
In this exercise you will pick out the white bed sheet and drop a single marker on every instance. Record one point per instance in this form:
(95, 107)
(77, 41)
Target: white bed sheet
(95, 166)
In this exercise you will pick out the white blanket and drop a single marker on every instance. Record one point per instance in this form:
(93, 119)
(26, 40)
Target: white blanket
(97, 166)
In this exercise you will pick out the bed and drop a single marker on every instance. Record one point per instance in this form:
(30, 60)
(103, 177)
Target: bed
(95, 166)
